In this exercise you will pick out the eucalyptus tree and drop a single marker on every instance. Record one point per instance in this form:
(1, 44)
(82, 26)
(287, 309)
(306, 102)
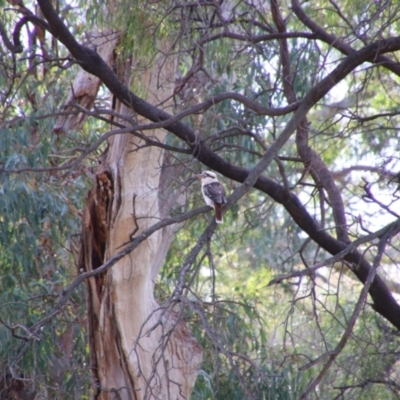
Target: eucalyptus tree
(294, 105)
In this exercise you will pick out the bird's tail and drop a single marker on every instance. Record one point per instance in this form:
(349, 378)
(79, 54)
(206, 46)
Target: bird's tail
(218, 214)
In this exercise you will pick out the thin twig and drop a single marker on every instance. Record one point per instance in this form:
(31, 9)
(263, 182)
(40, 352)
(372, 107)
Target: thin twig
(357, 310)
(393, 227)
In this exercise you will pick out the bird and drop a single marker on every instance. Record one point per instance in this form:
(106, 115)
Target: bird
(213, 193)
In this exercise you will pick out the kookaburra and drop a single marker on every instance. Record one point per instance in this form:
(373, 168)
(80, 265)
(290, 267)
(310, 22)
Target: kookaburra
(213, 193)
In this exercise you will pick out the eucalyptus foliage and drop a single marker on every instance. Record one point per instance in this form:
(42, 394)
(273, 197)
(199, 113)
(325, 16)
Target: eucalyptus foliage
(277, 331)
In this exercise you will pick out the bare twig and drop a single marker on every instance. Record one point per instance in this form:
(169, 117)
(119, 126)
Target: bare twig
(356, 312)
(393, 228)
(66, 293)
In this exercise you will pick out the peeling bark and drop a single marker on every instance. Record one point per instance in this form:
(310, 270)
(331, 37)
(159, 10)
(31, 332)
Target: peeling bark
(85, 86)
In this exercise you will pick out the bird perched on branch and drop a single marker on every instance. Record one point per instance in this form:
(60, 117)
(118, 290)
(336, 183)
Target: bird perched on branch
(213, 193)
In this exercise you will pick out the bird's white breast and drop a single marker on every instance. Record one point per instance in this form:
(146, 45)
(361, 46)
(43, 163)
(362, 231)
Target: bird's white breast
(208, 201)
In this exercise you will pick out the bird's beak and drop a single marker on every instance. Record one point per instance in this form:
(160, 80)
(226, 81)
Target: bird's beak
(199, 176)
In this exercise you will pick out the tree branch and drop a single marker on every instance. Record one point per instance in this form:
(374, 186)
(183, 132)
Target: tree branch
(66, 293)
(384, 303)
(357, 310)
(339, 44)
(394, 228)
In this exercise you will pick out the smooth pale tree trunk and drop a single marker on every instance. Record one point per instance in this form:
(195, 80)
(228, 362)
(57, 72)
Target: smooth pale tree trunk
(137, 350)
